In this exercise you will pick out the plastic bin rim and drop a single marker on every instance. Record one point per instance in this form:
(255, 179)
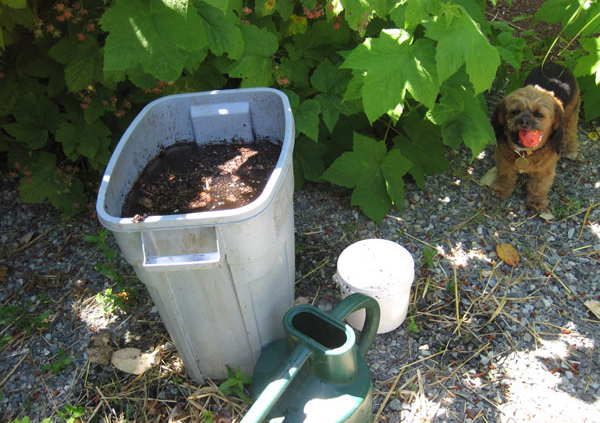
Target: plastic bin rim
(207, 218)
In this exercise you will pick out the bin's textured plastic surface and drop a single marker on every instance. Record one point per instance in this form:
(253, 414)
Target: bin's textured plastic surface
(318, 372)
(221, 280)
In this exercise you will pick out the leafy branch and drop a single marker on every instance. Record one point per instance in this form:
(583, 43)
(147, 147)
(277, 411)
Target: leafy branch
(379, 89)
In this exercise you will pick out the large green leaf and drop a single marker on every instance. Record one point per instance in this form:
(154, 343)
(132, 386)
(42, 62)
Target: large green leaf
(308, 162)
(461, 42)
(35, 119)
(409, 14)
(590, 64)
(151, 35)
(15, 4)
(42, 181)
(179, 6)
(222, 32)
(375, 175)
(371, 196)
(306, 118)
(323, 40)
(463, 118)
(256, 65)
(394, 167)
(578, 18)
(35, 187)
(265, 7)
(510, 47)
(296, 72)
(222, 5)
(329, 78)
(330, 108)
(423, 146)
(331, 81)
(82, 59)
(393, 66)
(81, 139)
(591, 97)
(358, 14)
(35, 136)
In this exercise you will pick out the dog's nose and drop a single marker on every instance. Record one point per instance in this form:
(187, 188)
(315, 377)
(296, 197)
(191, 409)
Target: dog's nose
(523, 122)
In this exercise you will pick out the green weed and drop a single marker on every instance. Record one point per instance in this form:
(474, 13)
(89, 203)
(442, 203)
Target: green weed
(412, 326)
(208, 416)
(563, 209)
(71, 413)
(59, 364)
(428, 254)
(234, 385)
(22, 318)
(111, 299)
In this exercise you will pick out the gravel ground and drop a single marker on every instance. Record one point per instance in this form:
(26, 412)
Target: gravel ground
(483, 341)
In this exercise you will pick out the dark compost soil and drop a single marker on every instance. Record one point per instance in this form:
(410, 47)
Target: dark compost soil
(187, 177)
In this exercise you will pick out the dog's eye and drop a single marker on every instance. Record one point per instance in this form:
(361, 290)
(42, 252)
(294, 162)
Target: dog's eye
(515, 112)
(538, 115)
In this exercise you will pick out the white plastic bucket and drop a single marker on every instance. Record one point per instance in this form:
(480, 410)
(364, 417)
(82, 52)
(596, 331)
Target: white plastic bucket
(380, 269)
(221, 280)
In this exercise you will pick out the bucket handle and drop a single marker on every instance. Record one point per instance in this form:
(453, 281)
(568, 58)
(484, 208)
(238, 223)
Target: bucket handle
(355, 302)
(155, 260)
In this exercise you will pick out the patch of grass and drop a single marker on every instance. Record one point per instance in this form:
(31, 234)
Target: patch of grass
(450, 285)
(58, 365)
(22, 318)
(111, 299)
(562, 209)
(71, 413)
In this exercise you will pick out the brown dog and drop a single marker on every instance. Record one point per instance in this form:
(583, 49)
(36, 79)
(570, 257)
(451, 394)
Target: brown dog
(534, 126)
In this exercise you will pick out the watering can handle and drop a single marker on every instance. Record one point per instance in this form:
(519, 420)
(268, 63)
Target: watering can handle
(355, 302)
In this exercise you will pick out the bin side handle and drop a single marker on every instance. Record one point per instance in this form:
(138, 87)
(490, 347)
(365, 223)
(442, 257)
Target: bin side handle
(160, 262)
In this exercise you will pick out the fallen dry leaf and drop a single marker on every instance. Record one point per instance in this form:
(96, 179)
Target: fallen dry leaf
(26, 238)
(508, 254)
(547, 216)
(594, 307)
(490, 177)
(133, 361)
(301, 301)
(155, 408)
(101, 339)
(100, 355)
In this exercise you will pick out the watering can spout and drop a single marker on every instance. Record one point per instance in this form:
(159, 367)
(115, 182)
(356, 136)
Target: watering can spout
(317, 372)
(269, 396)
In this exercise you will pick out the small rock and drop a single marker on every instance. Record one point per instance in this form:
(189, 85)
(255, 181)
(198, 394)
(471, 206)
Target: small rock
(395, 405)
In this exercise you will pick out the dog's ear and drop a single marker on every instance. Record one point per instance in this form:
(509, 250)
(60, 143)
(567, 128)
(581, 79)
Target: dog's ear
(559, 116)
(558, 133)
(498, 120)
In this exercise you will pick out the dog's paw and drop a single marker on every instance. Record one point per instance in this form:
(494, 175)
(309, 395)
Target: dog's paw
(571, 155)
(537, 204)
(500, 191)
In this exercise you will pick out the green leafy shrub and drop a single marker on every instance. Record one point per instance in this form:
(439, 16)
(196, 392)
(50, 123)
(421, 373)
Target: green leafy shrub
(379, 88)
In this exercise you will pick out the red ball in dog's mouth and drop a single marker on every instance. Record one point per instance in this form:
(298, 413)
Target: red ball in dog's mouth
(530, 139)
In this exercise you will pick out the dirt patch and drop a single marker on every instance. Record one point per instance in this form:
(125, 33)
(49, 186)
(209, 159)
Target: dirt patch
(521, 16)
(187, 178)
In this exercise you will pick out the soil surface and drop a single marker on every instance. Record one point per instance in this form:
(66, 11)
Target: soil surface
(186, 178)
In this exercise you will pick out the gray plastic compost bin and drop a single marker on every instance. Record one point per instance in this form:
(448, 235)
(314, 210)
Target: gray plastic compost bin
(221, 280)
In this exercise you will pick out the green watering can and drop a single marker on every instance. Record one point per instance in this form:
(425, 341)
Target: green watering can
(317, 373)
